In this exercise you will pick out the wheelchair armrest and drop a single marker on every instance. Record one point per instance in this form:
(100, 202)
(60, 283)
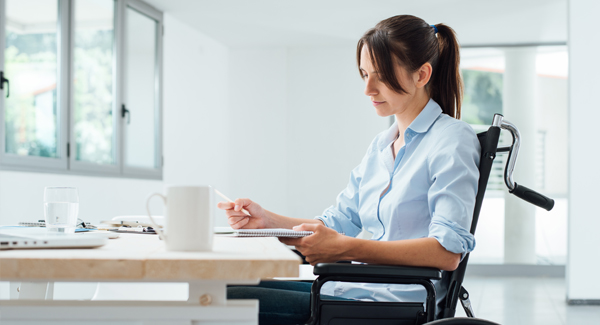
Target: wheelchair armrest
(382, 271)
(370, 273)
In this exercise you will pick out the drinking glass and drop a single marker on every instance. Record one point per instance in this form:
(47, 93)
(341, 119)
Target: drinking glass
(61, 206)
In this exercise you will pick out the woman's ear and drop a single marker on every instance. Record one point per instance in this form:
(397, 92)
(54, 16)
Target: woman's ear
(423, 75)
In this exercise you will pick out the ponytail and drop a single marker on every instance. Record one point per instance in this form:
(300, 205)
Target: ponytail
(411, 42)
(446, 84)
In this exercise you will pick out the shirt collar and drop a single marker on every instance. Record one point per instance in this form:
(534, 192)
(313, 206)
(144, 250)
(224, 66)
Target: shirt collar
(421, 124)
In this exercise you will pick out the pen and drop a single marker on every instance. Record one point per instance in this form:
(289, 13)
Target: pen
(228, 199)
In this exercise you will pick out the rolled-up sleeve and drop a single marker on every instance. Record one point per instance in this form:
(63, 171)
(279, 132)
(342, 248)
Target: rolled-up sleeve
(454, 174)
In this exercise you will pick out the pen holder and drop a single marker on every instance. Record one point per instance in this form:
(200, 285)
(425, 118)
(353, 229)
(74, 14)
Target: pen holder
(189, 218)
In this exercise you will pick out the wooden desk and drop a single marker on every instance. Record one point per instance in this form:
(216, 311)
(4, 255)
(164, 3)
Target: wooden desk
(142, 258)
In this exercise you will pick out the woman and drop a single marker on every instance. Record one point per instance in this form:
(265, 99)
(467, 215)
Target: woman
(414, 190)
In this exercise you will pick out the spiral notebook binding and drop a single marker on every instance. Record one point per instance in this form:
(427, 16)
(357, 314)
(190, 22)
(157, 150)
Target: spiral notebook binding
(273, 232)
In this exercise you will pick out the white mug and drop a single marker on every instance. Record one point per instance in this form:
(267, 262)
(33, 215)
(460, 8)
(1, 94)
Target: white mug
(189, 218)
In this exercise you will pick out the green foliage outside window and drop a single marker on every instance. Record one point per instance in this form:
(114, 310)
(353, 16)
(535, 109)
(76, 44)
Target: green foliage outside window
(482, 96)
(93, 95)
(25, 57)
(29, 57)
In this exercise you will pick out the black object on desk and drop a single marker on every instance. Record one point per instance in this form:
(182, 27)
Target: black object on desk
(135, 230)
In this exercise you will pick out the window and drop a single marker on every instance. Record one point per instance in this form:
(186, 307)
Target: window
(82, 90)
(141, 77)
(485, 81)
(31, 119)
(92, 82)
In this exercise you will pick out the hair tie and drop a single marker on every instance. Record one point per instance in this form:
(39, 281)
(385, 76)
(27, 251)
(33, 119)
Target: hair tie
(435, 28)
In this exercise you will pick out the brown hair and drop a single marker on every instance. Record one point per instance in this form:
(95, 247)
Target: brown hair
(411, 42)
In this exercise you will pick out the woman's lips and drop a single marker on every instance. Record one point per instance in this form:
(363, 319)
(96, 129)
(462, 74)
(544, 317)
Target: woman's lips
(376, 103)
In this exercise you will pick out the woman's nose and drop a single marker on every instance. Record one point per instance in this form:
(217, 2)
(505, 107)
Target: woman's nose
(370, 89)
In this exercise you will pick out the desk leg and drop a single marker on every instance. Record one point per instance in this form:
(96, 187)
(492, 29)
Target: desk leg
(212, 293)
(13, 292)
(50, 291)
(35, 290)
(207, 293)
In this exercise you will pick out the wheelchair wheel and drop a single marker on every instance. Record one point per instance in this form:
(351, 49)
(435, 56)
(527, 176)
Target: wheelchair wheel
(461, 321)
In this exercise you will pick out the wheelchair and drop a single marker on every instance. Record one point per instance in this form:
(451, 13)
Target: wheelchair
(332, 312)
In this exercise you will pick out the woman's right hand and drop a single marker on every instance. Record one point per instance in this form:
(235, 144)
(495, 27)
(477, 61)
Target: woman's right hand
(238, 219)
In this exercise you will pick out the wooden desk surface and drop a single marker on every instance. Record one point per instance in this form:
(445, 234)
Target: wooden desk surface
(134, 257)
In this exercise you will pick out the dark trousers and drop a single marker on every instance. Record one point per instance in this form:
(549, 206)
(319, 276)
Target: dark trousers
(281, 302)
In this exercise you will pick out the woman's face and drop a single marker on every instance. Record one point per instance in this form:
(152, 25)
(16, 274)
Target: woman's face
(386, 101)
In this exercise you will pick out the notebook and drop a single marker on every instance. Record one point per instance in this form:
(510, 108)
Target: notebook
(271, 232)
(223, 230)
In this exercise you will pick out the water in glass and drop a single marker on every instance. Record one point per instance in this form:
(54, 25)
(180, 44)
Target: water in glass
(61, 207)
(61, 214)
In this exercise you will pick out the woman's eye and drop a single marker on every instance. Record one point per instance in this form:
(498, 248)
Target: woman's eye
(364, 76)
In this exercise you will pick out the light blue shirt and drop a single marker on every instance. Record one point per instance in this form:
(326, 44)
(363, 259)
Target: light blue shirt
(431, 188)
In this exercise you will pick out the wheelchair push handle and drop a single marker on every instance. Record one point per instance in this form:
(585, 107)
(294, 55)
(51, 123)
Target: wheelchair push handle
(519, 191)
(532, 197)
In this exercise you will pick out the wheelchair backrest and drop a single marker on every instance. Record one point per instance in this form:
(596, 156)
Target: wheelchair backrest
(489, 145)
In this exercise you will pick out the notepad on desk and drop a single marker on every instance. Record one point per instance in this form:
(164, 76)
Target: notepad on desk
(271, 232)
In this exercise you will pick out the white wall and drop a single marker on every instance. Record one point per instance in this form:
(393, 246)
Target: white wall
(583, 258)
(196, 117)
(552, 117)
(257, 150)
(100, 198)
(331, 124)
(299, 124)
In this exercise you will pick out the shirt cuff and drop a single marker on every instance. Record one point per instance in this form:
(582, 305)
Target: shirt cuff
(323, 220)
(345, 227)
(452, 236)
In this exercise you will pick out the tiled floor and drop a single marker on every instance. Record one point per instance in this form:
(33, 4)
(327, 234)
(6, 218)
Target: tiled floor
(526, 301)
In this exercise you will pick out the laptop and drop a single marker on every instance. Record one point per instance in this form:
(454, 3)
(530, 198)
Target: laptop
(36, 238)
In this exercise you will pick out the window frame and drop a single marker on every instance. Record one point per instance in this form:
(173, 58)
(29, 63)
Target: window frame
(86, 167)
(144, 9)
(34, 163)
(66, 163)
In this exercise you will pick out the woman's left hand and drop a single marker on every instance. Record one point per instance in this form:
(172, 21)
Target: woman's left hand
(324, 246)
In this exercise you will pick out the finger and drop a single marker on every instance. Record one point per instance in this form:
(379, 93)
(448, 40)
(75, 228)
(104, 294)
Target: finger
(241, 203)
(225, 205)
(231, 213)
(290, 241)
(307, 227)
(284, 240)
(238, 222)
(241, 224)
(310, 260)
(233, 220)
(314, 260)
